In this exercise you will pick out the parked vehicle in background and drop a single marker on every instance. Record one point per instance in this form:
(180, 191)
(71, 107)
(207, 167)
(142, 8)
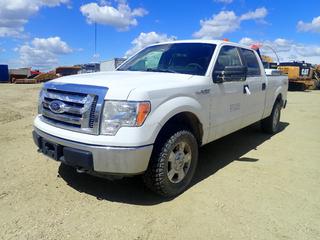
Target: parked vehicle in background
(66, 71)
(111, 65)
(89, 68)
(151, 115)
(19, 73)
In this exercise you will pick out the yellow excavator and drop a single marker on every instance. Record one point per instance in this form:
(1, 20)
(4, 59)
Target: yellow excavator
(300, 75)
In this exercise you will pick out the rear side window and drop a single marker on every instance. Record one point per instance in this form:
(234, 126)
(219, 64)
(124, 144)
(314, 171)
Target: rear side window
(251, 62)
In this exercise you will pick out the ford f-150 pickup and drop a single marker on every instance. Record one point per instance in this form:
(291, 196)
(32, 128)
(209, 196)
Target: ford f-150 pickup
(150, 116)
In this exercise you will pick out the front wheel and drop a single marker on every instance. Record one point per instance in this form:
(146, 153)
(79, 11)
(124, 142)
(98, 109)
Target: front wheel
(271, 123)
(172, 166)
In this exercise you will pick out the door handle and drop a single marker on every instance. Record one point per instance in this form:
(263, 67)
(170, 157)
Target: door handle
(246, 89)
(264, 86)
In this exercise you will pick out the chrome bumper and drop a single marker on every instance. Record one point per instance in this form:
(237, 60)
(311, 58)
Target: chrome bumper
(108, 159)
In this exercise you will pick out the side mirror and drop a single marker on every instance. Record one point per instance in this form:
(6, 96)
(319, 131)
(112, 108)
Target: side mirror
(230, 73)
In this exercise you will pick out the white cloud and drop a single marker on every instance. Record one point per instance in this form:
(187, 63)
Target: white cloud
(226, 22)
(53, 44)
(259, 13)
(14, 14)
(122, 17)
(224, 1)
(282, 45)
(246, 41)
(145, 39)
(308, 51)
(313, 26)
(287, 50)
(223, 22)
(54, 3)
(42, 52)
(279, 44)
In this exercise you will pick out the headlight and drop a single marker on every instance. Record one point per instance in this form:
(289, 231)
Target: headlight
(117, 114)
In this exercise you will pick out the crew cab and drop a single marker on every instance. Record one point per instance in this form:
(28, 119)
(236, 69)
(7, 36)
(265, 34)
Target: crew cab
(150, 116)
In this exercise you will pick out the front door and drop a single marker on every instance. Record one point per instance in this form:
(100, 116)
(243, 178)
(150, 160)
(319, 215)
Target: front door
(226, 97)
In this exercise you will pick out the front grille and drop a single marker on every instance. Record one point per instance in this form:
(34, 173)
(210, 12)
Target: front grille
(71, 106)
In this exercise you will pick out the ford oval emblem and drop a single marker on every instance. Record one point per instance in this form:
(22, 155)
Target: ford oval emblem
(57, 106)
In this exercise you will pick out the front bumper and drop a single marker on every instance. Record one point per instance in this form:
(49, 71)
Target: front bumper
(101, 159)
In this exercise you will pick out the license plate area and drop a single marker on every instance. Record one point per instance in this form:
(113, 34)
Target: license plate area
(51, 150)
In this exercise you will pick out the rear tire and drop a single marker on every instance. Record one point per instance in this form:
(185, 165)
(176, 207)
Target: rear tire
(271, 124)
(172, 164)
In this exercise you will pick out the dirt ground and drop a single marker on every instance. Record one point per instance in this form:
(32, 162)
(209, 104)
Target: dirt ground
(248, 185)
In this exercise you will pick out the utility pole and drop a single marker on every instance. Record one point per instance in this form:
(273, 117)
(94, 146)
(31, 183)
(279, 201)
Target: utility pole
(95, 39)
(96, 56)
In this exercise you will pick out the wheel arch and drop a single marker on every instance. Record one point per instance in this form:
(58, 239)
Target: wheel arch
(279, 95)
(279, 99)
(183, 120)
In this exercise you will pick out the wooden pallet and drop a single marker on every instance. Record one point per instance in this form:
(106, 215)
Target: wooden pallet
(26, 81)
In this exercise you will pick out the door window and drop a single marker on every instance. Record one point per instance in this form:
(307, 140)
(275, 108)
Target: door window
(228, 56)
(251, 62)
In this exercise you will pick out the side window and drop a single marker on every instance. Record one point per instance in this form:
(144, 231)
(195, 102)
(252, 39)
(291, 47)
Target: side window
(228, 56)
(251, 61)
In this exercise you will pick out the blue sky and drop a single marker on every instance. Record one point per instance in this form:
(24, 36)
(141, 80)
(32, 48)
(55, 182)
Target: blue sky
(47, 33)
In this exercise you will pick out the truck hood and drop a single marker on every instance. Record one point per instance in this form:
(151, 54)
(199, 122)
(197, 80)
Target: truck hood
(121, 83)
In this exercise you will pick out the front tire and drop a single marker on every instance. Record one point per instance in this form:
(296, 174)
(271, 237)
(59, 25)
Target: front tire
(271, 124)
(172, 165)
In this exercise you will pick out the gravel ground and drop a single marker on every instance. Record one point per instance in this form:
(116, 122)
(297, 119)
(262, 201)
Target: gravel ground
(248, 185)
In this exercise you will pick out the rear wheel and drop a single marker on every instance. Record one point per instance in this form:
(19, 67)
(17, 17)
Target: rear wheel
(271, 123)
(173, 164)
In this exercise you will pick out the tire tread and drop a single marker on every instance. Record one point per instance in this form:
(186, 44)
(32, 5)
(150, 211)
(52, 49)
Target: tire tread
(266, 124)
(154, 177)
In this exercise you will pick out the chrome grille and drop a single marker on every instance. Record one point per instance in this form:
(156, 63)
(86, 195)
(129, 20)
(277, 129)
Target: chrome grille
(92, 112)
(71, 106)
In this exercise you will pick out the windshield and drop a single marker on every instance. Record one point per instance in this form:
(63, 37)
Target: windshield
(185, 58)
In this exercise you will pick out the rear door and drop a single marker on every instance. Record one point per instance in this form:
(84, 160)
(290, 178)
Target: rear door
(226, 97)
(254, 97)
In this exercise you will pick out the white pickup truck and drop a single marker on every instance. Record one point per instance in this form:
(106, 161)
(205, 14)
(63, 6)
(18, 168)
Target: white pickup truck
(151, 115)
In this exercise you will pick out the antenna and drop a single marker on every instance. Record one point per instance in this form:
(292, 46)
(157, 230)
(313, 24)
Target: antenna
(274, 51)
(257, 47)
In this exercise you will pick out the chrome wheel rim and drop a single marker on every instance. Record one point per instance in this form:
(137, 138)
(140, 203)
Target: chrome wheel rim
(179, 162)
(276, 118)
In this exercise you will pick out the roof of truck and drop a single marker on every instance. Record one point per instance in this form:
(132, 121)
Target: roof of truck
(217, 42)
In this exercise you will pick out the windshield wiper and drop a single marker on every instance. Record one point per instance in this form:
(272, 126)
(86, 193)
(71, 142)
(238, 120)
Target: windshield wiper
(160, 70)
